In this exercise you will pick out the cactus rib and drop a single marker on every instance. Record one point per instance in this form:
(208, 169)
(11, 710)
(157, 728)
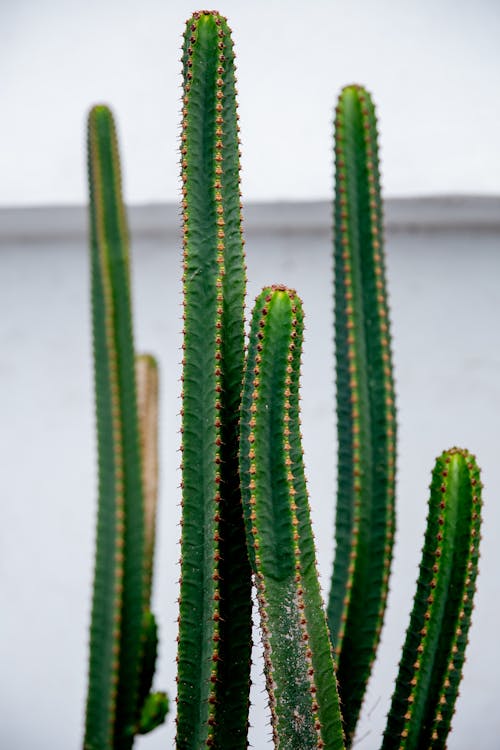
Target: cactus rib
(433, 654)
(299, 666)
(215, 601)
(365, 405)
(118, 601)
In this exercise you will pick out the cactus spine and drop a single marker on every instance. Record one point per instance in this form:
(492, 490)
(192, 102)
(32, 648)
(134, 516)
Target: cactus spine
(298, 660)
(114, 702)
(433, 654)
(365, 405)
(215, 594)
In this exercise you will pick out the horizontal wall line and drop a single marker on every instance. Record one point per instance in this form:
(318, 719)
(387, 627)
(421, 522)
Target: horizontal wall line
(428, 214)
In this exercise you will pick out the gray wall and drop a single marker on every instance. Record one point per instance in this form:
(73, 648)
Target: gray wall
(443, 267)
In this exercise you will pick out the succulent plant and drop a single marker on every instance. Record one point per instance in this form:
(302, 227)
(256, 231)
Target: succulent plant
(433, 654)
(123, 629)
(215, 589)
(245, 509)
(366, 422)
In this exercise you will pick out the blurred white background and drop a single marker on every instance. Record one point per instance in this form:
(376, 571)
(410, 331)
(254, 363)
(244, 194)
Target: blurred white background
(433, 67)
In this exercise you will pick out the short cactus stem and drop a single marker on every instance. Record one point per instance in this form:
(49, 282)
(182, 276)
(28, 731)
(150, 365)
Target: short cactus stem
(433, 655)
(215, 587)
(299, 665)
(366, 422)
(146, 369)
(119, 586)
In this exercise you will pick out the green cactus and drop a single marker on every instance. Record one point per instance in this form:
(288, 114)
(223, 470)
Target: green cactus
(433, 654)
(117, 634)
(299, 666)
(241, 436)
(215, 596)
(366, 422)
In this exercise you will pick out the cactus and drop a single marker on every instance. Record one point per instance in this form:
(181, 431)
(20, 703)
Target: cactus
(365, 405)
(298, 660)
(433, 654)
(215, 588)
(146, 370)
(245, 509)
(118, 637)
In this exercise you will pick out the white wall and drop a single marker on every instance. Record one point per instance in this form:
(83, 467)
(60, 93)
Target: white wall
(433, 67)
(445, 308)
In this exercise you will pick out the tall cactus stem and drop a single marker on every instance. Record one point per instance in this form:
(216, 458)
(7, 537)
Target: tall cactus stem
(365, 405)
(300, 675)
(118, 601)
(434, 652)
(215, 587)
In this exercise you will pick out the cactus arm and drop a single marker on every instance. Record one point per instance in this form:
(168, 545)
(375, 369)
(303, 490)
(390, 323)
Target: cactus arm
(433, 654)
(215, 595)
(365, 406)
(299, 667)
(149, 654)
(153, 712)
(117, 610)
(147, 406)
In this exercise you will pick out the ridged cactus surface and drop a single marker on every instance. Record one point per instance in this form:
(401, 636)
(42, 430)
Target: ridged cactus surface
(365, 405)
(215, 590)
(433, 654)
(119, 593)
(298, 659)
(123, 634)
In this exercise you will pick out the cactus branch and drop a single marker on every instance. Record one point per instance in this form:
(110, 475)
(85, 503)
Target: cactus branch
(215, 597)
(365, 405)
(299, 666)
(433, 655)
(118, 603)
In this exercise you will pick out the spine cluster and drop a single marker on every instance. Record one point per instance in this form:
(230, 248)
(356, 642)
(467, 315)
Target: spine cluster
(298, 660)
(365, 405)
(433, 654)
(215, 602)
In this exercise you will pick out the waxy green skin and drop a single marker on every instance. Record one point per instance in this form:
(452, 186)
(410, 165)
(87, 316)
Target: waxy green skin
(119, 678)
(116, 630)
(365, 405)
(215, 589)
(299, 667)
(433, 654)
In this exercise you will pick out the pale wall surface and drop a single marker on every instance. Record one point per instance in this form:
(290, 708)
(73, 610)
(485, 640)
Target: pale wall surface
(433, 67)
(445, 309)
